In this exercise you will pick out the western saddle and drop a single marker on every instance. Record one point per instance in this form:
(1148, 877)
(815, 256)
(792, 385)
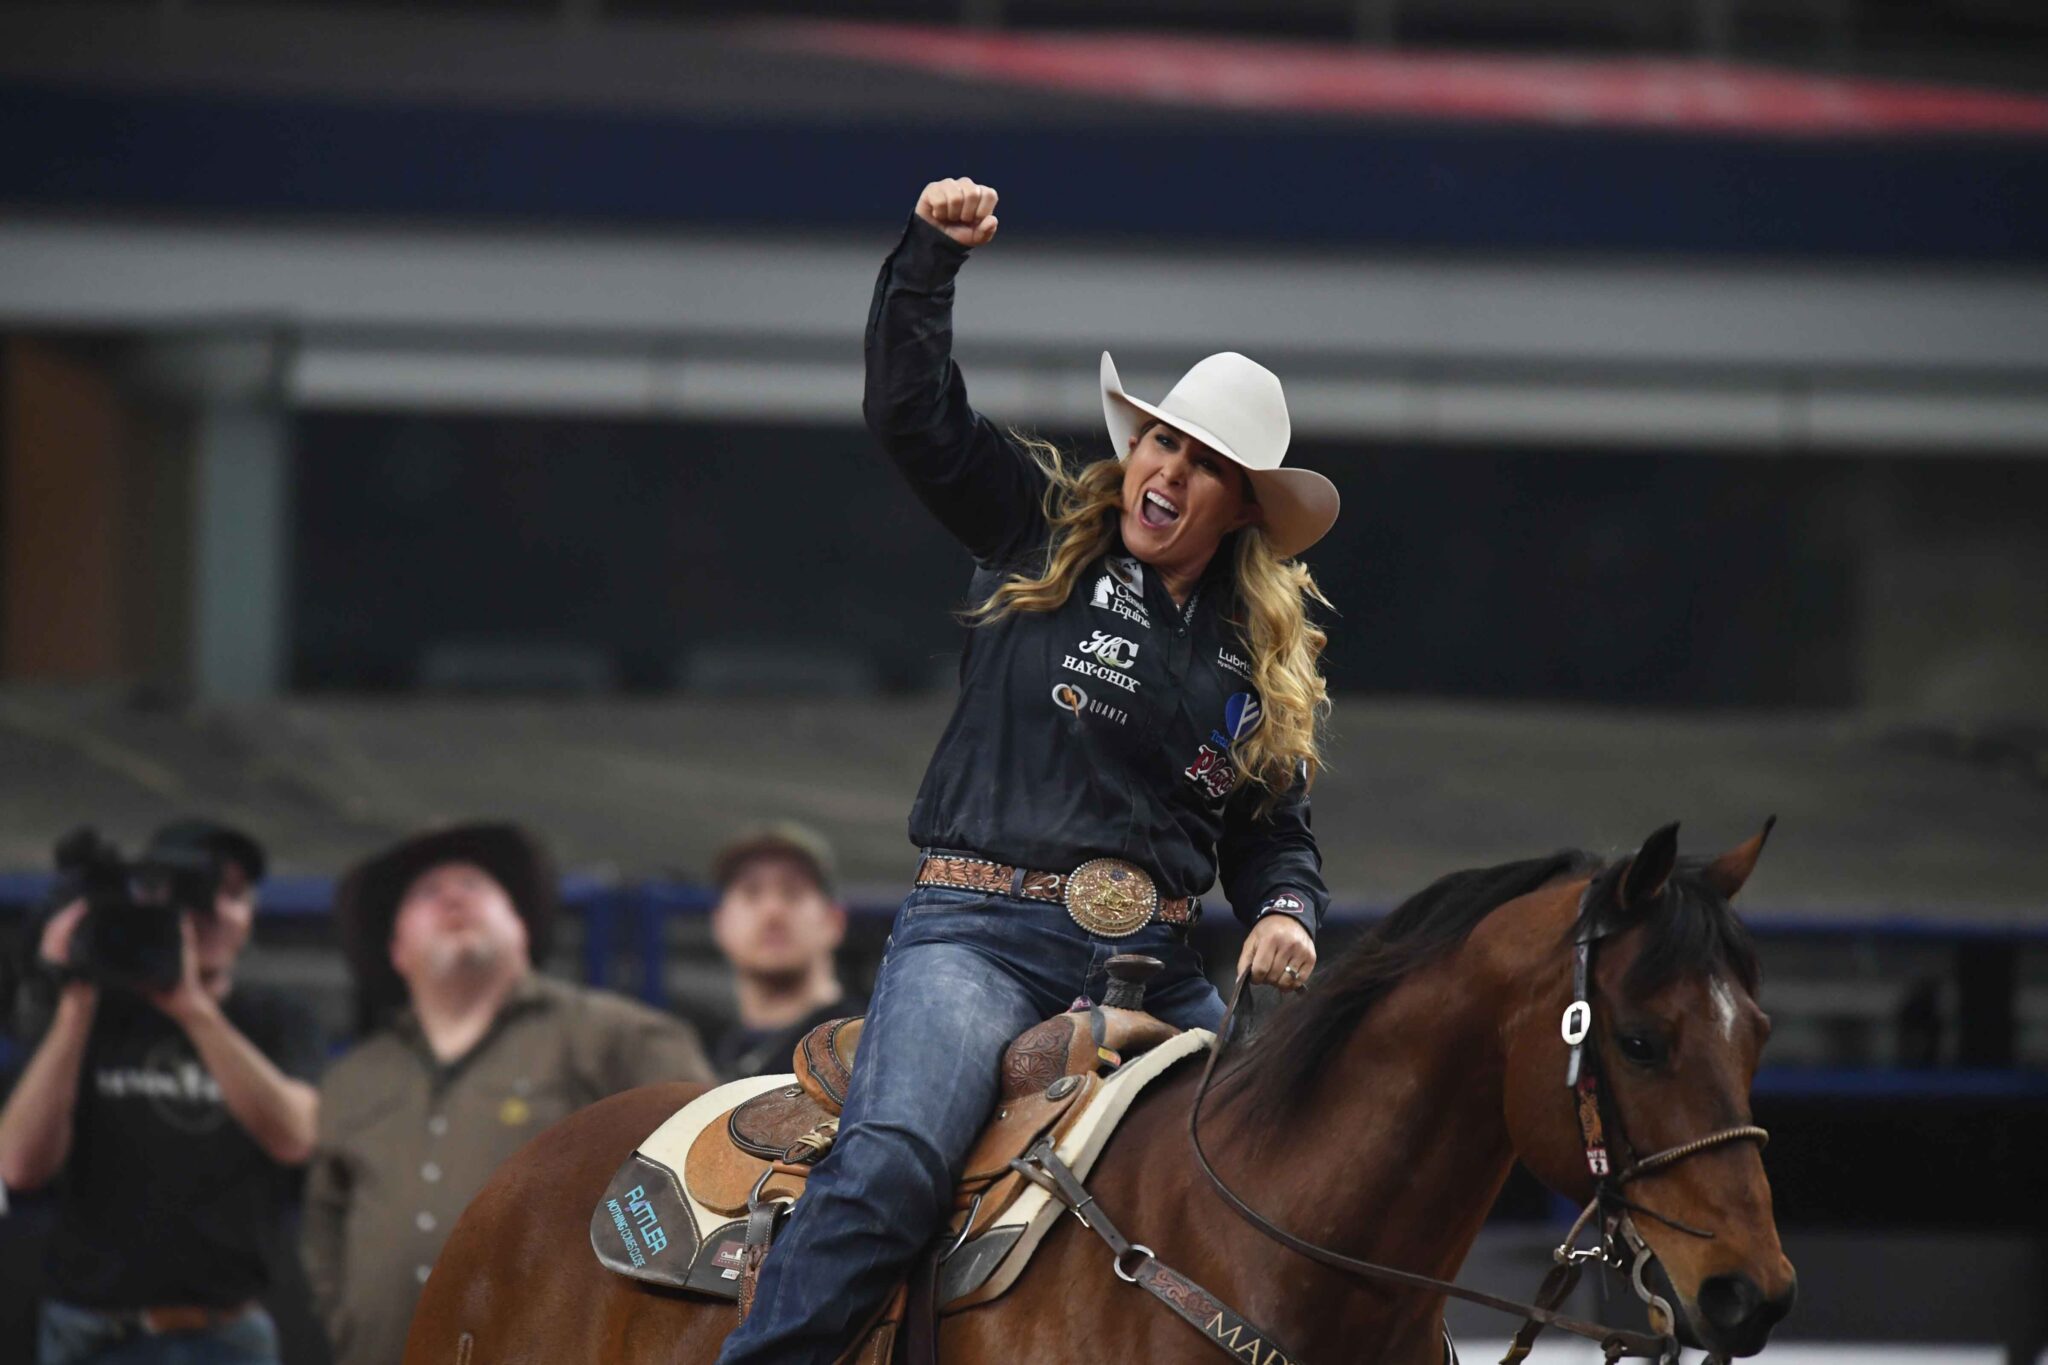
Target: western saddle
(744, 1152)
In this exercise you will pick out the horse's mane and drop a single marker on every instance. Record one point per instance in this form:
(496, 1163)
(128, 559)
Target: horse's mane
(1690, 927)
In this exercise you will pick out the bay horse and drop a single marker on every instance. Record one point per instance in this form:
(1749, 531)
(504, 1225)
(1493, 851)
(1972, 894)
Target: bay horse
(1378, 1115)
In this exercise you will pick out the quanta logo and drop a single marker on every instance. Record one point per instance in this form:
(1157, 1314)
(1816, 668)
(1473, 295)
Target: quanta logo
(1068, 697)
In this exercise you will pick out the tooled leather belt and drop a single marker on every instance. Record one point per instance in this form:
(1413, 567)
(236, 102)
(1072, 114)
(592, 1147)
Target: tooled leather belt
(1106, 896)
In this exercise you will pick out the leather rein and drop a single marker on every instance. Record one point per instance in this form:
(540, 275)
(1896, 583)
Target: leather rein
(1621, 1247)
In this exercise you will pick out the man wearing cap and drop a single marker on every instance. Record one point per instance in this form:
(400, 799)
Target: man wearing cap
(173, 1119)
(468, 1053)
(779, 926)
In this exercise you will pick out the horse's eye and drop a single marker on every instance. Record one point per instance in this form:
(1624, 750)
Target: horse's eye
(1640, 1048)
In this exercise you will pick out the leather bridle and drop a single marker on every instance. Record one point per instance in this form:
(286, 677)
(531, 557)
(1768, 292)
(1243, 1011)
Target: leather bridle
(1621, 1246)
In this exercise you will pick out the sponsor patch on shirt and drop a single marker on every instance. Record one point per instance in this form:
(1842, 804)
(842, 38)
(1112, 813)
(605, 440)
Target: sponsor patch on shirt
(1212, 772)
(1235, 663)
(1120, 590)
(1107, 657)
(1241, 715)
(1068, 697)
(1286, 903)
(1088, 668)
(1114, 650)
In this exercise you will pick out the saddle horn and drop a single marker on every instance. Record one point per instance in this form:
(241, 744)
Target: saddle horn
(1128, 973)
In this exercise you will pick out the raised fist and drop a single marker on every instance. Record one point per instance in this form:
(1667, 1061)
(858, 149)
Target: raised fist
(961, 209)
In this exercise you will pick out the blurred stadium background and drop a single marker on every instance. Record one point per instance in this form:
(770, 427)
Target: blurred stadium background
(412, 411)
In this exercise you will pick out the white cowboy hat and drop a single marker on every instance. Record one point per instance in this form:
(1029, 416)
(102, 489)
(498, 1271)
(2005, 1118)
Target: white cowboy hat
(1234, 406)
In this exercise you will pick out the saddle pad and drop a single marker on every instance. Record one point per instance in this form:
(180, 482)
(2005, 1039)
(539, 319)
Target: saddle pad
(990, 1262)
(649, 1227)
(682, 1243)
(670, 1143)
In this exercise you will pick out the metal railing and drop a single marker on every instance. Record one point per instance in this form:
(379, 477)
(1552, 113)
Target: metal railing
(1898, 1004)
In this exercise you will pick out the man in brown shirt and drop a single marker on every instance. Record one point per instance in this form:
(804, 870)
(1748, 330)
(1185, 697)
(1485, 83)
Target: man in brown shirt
(472, 1053)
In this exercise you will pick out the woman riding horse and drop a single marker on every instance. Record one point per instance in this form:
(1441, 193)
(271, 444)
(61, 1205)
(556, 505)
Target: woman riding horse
(1138, 713)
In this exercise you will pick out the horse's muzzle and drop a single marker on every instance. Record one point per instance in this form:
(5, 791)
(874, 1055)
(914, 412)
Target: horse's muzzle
(1734, 1317)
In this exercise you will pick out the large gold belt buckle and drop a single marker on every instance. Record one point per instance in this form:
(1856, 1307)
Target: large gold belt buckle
(1111, 897)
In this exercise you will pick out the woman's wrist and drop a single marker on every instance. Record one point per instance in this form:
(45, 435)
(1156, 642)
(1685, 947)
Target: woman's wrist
(927, 259)
(1291, 904)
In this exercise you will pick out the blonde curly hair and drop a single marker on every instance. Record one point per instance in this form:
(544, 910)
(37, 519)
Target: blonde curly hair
(1082, 504)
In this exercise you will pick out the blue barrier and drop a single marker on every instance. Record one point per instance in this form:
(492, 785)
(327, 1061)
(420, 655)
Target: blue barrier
(626, 924)
(1901, 1083)
(653, 903)
(647, 904)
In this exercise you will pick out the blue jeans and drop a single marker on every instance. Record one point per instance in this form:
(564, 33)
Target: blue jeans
(68, 1335)
(963, 975)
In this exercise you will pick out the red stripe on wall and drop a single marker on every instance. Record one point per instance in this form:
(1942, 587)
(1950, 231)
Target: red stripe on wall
(1297, 78)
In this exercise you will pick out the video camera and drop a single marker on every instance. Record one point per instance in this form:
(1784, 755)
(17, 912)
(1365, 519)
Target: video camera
(130, 936)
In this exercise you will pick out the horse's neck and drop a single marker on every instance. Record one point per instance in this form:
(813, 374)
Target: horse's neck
(1396, 1159)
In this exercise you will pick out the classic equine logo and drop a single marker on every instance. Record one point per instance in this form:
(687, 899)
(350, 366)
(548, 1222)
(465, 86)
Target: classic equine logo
(1114, 650)
(1121, 590)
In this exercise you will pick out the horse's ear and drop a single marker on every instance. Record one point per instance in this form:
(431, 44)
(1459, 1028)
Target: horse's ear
(1650, 868)
(1727, 873)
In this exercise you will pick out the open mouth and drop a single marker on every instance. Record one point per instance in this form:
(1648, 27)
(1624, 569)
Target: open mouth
(1156, 510)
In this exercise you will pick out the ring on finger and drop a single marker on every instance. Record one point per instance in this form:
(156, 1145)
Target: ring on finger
(1292, 972)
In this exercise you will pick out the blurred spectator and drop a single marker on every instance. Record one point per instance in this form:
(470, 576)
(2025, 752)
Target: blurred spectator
(779, 925)
(471, 1053)
(173, 1118)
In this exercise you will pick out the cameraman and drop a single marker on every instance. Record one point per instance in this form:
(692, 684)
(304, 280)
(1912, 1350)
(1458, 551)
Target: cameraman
(173, 1116)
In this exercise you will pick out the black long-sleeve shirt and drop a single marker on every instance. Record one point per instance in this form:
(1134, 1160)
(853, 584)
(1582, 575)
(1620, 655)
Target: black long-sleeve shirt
(1102, 728)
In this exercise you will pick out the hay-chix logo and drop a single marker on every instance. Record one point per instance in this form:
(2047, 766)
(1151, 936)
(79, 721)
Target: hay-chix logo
(1106, 658)
(1114, 650)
